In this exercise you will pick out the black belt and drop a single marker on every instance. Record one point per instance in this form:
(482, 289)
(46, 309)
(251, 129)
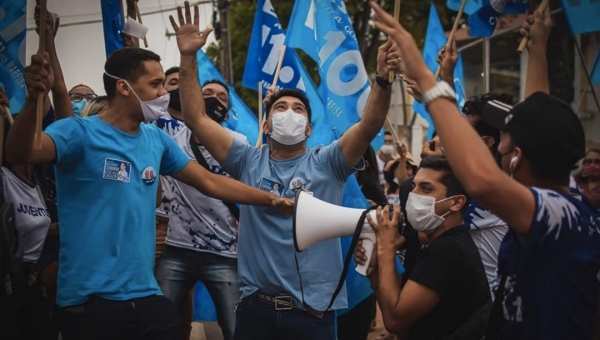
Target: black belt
(281, 302)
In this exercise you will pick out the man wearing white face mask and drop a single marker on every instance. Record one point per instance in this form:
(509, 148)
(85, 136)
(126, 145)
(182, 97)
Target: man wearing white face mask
(106, 178)
(446, 295)
(385, 154)
(283, 292)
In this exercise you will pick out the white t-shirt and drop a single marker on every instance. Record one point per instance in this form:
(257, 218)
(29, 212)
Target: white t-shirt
(197, 221)
(487, 231)
(31, 216)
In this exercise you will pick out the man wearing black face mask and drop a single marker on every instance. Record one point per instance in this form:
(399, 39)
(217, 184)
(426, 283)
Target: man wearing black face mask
(201, 242)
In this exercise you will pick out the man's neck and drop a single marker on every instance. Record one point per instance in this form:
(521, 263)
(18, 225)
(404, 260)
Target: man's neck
(449, 223)
(280, 151)
(175, 114)
(120, 117)
(384, 157)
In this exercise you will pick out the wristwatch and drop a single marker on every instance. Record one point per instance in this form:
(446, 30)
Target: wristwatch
(441, 89)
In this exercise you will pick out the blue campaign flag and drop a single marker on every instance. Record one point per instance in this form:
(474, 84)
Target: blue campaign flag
(112, 22)
(241, 118)
(482, 22)
(266, 43)
(323, 30)
(12, 52)
(596, 72)
(582, 15)
(434, 41)
(471, 7)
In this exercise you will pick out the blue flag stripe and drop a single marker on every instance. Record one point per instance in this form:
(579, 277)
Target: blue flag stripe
(12, 42)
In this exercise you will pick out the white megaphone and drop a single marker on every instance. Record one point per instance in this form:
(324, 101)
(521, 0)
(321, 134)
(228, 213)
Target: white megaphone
(316, 221)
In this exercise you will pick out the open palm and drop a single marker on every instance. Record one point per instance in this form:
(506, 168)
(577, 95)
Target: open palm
(189, 37)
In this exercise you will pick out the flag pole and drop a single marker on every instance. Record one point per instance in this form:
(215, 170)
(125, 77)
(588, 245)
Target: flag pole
(452, 33)
(260, 115)
(396, 18)
(40, 98)
(525, 40)
(273, 89)
(139, 17)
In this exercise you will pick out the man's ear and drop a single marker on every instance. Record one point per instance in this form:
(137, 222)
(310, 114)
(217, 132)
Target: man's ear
(123, 88)
(458, 203)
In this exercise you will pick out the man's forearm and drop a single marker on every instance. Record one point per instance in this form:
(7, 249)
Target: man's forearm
(537, 71)
(375, 111)
(192, 101)
(62, 102)
(19, 142)
(229, 190)
(388, 292)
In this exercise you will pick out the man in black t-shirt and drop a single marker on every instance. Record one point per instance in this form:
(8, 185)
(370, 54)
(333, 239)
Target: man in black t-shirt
(447, 293)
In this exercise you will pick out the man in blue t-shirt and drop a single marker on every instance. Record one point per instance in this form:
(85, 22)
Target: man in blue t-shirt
(106, 176)
(550, 259)
(283, 291)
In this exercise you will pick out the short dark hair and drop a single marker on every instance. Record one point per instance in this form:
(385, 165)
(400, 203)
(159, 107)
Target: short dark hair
(128, 64)
(452, 184)
(387, 133)
(216, 81)
(474, 108)
(171, 70)
(289, 93)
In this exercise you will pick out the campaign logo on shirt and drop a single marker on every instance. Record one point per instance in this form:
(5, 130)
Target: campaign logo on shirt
(298, 183)
(116, 170)
(271, 186)
(149, 175)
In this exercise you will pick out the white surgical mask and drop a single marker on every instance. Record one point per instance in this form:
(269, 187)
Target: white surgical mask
(289, 127)
(153, 109)
(387, 149)
(420, 211)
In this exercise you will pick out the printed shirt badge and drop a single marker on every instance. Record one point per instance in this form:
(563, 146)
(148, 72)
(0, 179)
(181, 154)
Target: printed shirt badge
(116, 170)
(271, 186)
(149, 175)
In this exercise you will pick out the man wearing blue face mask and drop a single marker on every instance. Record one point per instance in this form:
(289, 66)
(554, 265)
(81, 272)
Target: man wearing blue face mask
(446, 294)
(80, 96)
(106, 177)
(284, 294)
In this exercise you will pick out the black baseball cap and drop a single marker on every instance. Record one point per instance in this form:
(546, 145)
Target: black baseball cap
(544, 127)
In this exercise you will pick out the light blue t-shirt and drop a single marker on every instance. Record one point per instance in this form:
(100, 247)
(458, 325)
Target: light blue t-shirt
(106, 183)
(266, 244)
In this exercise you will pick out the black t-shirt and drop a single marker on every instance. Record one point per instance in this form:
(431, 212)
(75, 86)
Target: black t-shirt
(451, 267)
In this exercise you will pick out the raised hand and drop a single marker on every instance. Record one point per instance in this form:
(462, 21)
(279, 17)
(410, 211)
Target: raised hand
(447, 58)
(431, 148)
(388, 58)
(413, 88)
(268, 96)
(51, 25)
(401, 149)
(39, 77)
(413, 65)
(537, 28)
(189, 37)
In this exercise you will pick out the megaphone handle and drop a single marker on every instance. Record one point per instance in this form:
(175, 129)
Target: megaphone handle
(368, 242)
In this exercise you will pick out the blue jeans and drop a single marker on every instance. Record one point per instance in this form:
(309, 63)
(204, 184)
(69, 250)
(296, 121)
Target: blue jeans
(178, 270)
(257, 320)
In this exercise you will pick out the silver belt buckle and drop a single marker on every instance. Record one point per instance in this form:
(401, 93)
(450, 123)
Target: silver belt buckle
(283, 303)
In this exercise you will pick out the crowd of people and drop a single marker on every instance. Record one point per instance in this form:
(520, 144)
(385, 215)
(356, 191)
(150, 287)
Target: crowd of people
(132, 197)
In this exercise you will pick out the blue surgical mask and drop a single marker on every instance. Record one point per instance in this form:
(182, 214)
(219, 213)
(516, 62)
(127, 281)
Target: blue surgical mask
(78, 107)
